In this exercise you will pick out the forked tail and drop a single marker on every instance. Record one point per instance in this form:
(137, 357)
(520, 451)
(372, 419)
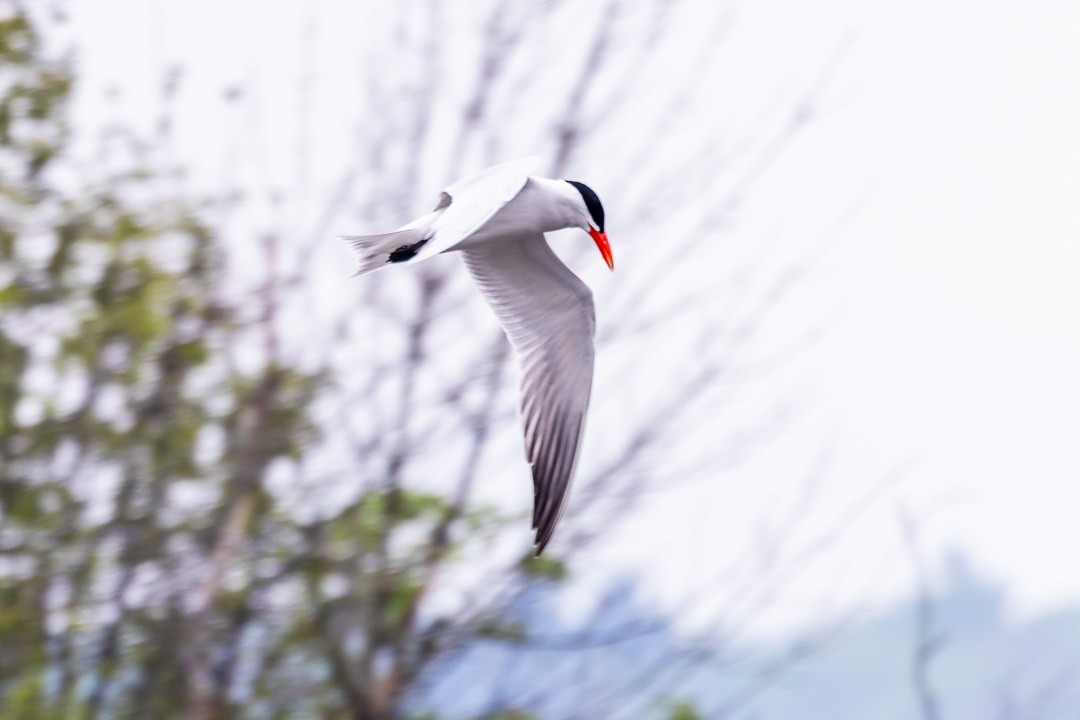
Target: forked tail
(378, 251)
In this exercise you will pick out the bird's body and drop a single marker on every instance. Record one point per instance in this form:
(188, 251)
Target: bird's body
(497, 220)
(542, 205)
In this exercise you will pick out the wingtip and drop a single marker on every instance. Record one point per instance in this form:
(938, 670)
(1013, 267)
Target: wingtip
(544, 533)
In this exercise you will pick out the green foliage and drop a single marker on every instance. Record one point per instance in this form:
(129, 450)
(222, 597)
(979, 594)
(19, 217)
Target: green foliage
(508, 715)
(17, 39)
(544, 567)
(682, 711)
(499, 629)
(12, 295)
(13, 358)
(25, 700)
(411, 505)
(377, 512)
(32, 101)
(401, 599)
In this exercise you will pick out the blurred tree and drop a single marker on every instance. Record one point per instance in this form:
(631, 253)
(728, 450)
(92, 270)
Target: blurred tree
(115, 399)
(153, 563)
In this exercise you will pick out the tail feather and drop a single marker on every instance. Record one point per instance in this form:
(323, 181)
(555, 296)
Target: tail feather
(378, 251)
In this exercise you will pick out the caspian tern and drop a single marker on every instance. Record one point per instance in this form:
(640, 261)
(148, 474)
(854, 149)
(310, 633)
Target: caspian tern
(497, 220)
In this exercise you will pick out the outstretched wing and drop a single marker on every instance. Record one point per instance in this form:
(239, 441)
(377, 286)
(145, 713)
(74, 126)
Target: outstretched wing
(547, 313)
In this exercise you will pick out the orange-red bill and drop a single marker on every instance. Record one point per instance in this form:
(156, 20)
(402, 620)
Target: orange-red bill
(605, 249)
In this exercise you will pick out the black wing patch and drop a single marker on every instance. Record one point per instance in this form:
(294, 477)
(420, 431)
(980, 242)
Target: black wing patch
(406, 252)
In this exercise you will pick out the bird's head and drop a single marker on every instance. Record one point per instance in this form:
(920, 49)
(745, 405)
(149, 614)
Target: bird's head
(592, 219)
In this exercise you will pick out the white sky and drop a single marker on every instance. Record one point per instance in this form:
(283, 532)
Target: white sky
(957, 349)
(965, 344)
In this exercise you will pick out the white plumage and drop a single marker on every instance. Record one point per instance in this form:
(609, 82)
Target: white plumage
(497, 220)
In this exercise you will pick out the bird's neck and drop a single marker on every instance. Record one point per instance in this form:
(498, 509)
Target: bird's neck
(557, 200)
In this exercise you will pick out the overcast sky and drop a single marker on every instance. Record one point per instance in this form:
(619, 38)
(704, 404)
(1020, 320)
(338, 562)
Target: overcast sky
(964, 343)
(950, 364)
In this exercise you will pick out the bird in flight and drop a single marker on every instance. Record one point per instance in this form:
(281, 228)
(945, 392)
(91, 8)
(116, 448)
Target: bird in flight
(497, 219)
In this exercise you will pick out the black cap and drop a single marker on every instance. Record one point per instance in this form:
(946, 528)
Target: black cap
(592, 202)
